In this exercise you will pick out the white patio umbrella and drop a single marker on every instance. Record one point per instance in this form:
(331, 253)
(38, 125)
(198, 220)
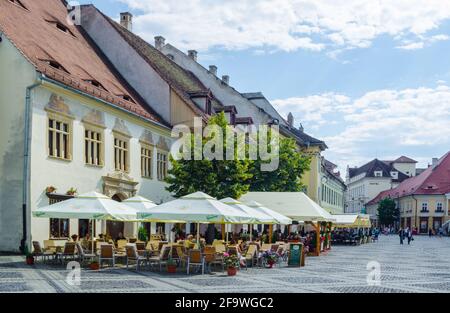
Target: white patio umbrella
(140, 204)
(197, 208)
(260, 217)
(279, 218)
(92, 206)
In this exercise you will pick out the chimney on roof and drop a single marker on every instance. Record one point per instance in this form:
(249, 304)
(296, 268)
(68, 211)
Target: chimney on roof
(226, 79)
(160, 41)
(193, 54)
(126, 20)
(290, 119)
(434, 162)
(301, 128)
(213, 70)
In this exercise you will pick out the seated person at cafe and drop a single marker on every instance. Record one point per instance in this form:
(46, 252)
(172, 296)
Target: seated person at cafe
(85, 242)
(120, 236)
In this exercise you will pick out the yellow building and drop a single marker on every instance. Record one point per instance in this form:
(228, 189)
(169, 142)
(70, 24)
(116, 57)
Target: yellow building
(423, 200)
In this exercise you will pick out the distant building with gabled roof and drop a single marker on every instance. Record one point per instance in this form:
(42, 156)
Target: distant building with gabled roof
(368, 180)
(423, 200)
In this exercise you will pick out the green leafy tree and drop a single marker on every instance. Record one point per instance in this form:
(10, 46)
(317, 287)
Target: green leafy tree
(287, 177)
(218, 178)
(388, 212)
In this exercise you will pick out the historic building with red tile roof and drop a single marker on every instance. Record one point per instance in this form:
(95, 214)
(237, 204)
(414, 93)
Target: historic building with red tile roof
(70, 119)
(423, 200)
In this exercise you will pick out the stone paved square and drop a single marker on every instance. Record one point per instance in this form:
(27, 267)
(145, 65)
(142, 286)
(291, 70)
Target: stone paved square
(421, 267)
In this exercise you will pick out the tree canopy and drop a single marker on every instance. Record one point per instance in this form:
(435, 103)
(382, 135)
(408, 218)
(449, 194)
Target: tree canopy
(233, 178)
(388, 212)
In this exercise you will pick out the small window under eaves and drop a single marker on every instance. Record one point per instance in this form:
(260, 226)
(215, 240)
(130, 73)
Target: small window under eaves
(95, 83)
(61, 27)
(55, 65)
(126, 98)
(19, 3)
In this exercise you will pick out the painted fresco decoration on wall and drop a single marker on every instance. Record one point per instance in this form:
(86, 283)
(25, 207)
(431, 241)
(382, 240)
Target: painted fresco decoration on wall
(147, 137)
(95, 117)
(58, 104)
(120, 127)
(162, 144)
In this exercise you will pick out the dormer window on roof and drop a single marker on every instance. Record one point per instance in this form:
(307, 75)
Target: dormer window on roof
(56, 65)
(378, 174)
(95, 83)
(19, 3)
(61, 27)
(126, 98)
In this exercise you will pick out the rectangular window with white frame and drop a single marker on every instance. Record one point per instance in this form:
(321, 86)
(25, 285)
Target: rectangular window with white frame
(439, 207)
(424, 207)
(59, 137)
(93, 146)
(162, 165)
(121, 153)
(146, 161)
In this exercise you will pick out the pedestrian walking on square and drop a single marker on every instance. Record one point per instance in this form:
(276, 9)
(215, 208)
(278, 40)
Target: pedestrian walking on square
(409, 235)
(430, 233)
(401, 234)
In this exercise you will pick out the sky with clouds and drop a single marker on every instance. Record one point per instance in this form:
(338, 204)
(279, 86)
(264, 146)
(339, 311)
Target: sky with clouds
(370, 77)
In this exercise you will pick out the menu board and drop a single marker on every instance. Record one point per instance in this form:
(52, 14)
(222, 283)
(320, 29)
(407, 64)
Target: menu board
(295, 254)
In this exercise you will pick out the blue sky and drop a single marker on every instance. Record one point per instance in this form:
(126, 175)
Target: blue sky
(371, 78)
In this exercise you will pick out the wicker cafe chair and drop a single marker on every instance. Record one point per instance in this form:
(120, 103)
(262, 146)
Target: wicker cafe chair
(163, 257)
(133, 255)
(251, 256)
(121, 244)
(43, 254)
(82, 255)
(68, 253)
(181, 254)
(196, 259)
(140, 246)
(107, 254)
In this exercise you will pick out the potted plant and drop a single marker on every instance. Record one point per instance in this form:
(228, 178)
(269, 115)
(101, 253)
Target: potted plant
(71, 192)
(270, 258)
(171, 266)
(50, 189)
(142, 234)
(231, 263)
(94, 265)
(29, 257)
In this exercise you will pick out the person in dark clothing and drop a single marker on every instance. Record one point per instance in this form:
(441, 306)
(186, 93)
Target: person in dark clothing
(401, 234)
(430, 232)
(409, 235)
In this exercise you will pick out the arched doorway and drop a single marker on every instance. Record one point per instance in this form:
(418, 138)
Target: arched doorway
(115, 228)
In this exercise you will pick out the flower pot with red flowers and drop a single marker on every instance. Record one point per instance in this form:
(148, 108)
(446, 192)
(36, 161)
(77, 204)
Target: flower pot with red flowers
(94, 266)
(29, 257)
(270, 258)
(71, 192)
(232, 271)
(231, 263)
(171, 266)
(50, 189)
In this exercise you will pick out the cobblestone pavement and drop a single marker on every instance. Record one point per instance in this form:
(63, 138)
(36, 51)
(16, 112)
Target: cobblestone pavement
(422, 267)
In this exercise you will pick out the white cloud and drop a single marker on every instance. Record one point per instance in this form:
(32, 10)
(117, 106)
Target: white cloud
(289, 24)
(384, 122)
(409, 45)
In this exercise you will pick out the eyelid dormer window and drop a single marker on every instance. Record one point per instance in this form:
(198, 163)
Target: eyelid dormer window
(95, 83)
(61, 27)
(19, 4)
(55, 65)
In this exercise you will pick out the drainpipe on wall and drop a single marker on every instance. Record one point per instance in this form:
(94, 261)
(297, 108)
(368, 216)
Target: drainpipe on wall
(26, 161)
(416, 225)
